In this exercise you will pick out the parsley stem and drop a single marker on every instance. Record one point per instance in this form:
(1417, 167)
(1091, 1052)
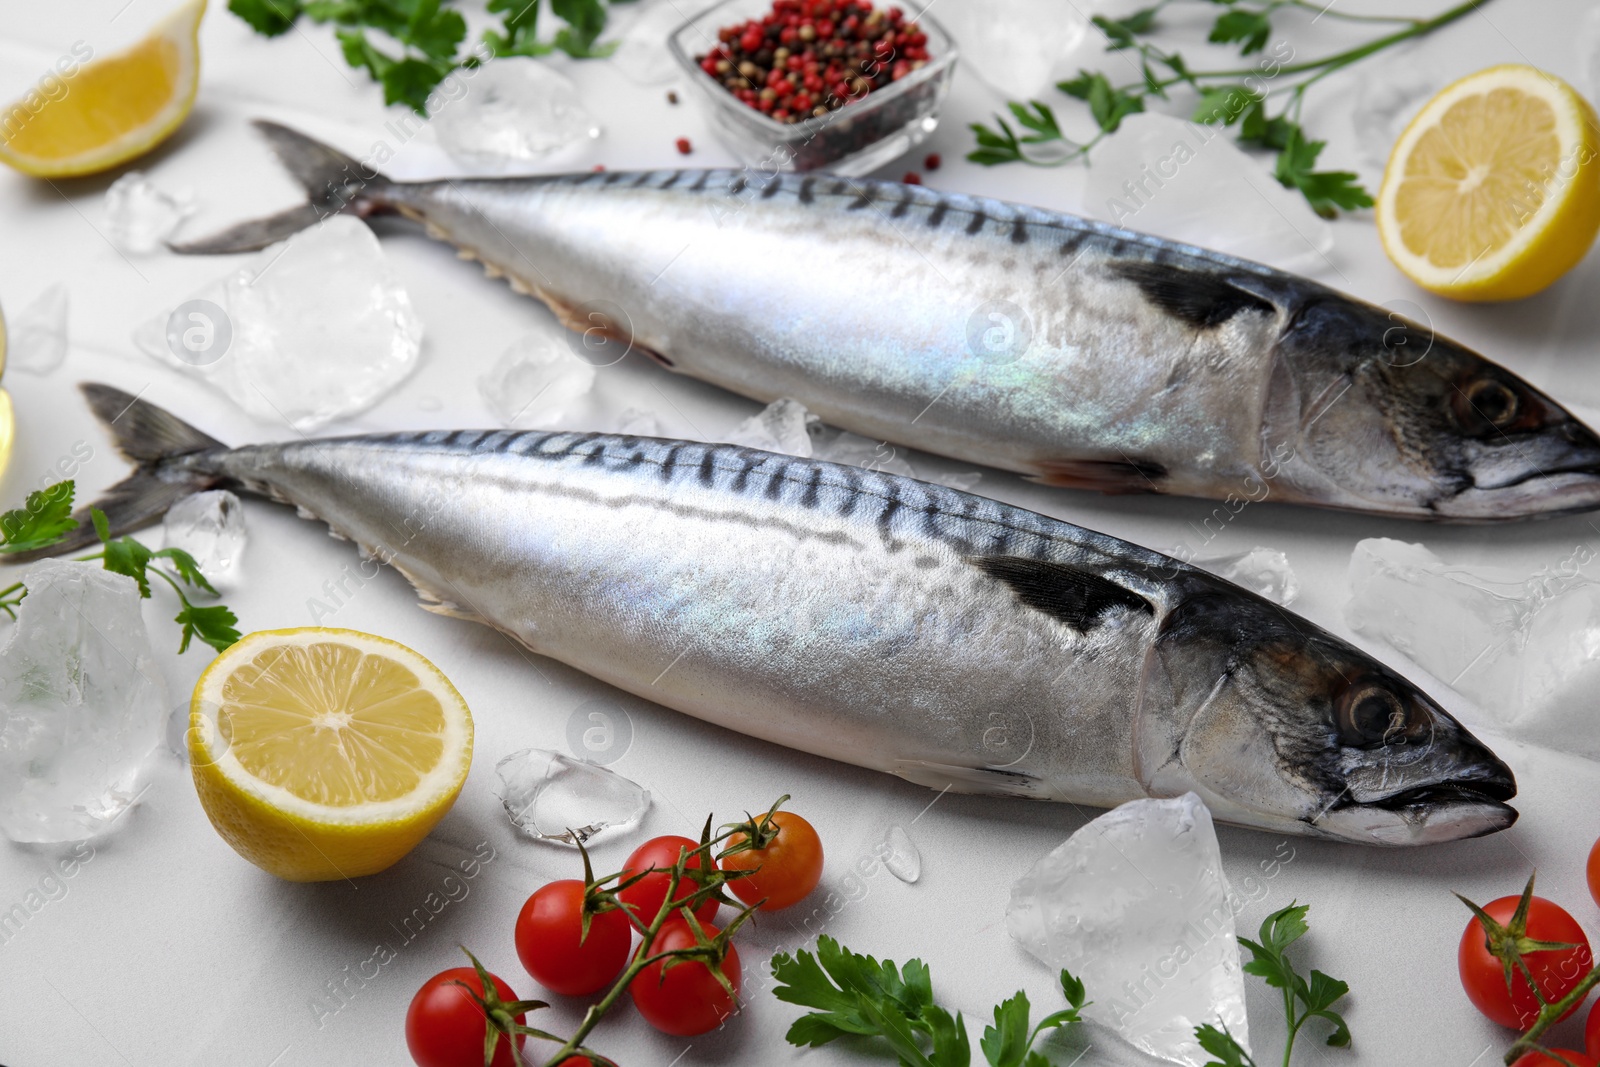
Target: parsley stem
(1327, 9)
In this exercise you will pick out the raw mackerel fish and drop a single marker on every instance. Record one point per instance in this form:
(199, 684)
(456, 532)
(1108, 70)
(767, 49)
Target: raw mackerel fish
(1070, 351)
(955, 641)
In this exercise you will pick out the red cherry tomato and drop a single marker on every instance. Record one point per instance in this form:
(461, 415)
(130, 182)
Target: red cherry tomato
(1539, 1059)
(687, 999)
(1556, 971)
(1591, 1030)
(788, 868)
(553, 948)
(445, 1027)
(1594, 872)
(646, 895)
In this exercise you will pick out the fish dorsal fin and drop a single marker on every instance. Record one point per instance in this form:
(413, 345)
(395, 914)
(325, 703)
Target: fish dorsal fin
(1076, 596)
(1201, 299)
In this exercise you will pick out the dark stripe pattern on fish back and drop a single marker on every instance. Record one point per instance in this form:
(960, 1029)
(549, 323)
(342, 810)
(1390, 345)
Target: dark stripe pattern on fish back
(898, 507)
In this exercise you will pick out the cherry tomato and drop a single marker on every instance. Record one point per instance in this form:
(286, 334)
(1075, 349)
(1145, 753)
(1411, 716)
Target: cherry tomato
(1539, 1059)
(788, 868)
(646, 895)
(1591, 1030)
(445, 1027)
(552, 945)
(1556, 971)
(687, 999)
(1594, 872)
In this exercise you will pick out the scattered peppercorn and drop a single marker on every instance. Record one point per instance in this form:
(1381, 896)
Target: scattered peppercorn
(912, 178)
(932, 162)
(599, 168)
(672, 97)
(684, 147)
(805, 58)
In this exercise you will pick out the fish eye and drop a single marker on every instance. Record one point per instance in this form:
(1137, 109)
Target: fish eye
(1486, 405)
(1371, 714)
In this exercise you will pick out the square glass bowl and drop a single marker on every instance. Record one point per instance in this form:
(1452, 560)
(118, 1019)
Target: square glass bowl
(859, 137)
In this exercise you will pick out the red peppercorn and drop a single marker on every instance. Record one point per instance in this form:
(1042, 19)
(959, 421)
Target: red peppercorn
(912, 178)
(932, 162)
(684, 147)
(599, 167)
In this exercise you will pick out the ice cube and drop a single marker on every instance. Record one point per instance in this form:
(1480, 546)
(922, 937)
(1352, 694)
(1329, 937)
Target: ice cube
(82, 704)
(139, 215)
(38, 334)
(841, 446)
(516, 110)
(781, 426)
(1136, 905)
(638, 422)
(900, 856)
(210, 527)
(642, 54)
(309, 330)
(1388, 97)
(1013, 46)
(1525, 648)
(1263, 571)
(535, 380)
(1189, 181)
(556, 798)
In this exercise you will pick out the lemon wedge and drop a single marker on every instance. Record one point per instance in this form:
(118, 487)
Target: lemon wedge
(321, 754)
(1493, 191)
(109, 110)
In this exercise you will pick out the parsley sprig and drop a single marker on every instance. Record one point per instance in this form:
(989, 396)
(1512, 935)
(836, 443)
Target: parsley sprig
(854, 994)
(46, 519)
(1265, 115)
(430, 34)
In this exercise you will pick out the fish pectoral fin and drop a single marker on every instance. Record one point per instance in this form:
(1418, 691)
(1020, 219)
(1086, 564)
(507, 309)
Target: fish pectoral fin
(1200, 299)
(979, 781)
(1077, 596)
(1113, 476)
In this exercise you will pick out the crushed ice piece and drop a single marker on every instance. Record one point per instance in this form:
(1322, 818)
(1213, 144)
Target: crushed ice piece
(1136, 905)
(82, 704)
(140, 215)
(781, 426)
(309, 330)
(1013, 46)
(1188, 181)
(900, 856)
(38, 334)
(842, 446)
(1387, 99)
(966, 481)
(553, 797)
(637, 422)
(1524, 647)
(1263, 571)
(210, 527)
(642, 54)
(535, 380)
(516, 110)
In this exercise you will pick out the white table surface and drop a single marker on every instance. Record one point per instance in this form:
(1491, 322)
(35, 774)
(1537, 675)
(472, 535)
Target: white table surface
(167, 948)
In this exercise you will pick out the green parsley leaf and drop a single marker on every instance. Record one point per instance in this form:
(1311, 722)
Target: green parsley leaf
(994, 146)
(437, 33)
(1227, 104)
(1251, 27)
(44, 518)
(586, 20)
(122, 555)
(188, 570)
(1006, 1042)
(1041, 120)
(1221, 1044)
(1120, 33)
(213, 624)
(267, 17)
(1326, 191)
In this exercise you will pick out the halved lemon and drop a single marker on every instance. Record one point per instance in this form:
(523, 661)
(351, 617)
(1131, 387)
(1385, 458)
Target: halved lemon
(1493, 191)
(321, 754)
(109, 110)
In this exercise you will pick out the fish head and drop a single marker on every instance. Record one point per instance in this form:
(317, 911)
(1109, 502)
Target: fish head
(1381, 414)
(1279, 725)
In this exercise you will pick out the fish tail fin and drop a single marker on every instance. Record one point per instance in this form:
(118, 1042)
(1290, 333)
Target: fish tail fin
(153, 439)
(334, 183)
